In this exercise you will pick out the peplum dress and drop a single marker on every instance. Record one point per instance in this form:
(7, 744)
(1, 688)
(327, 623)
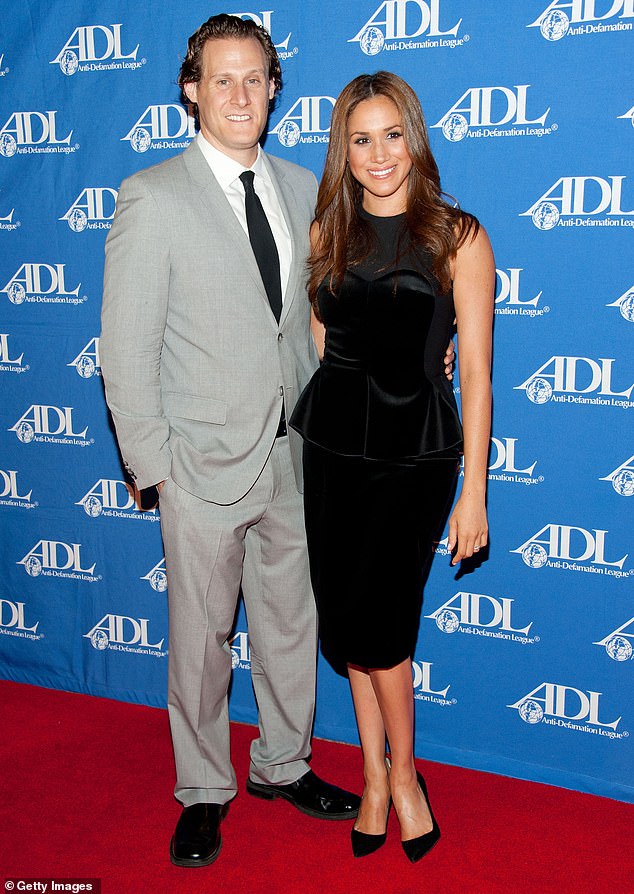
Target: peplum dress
(382, 444)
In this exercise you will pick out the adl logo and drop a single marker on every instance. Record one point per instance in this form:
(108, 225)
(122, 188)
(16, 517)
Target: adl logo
(402, 21)
(88, 48)
(508, 300)
(93, 208)
(625, 304)
(113, 498)
(10, 491)
(7, 362)
(240, 651)
(29, 133)
(557, 705)
(564, 546)
(480, 614)
(488, 108)
(263, 19)
(54, 558)
(565, 379)
(503, 464)
(119, 633)
(307, 121)
(87, 363)
(160, 127)
(156, 577)
(423, 691)
(622, 478)
(13, 623)
(581, 200)
(48, 424)
(41, 284)
(554, 23)
(618, 643)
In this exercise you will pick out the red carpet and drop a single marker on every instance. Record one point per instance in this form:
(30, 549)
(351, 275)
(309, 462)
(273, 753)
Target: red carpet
(86, 793)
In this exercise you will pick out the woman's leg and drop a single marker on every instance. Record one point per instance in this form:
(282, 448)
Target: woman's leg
(376, 792)
(395, 699)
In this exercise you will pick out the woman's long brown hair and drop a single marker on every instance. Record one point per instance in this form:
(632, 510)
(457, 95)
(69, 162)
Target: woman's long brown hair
(344, 237)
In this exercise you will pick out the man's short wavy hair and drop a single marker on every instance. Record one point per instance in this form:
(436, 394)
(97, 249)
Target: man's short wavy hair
(221, 27)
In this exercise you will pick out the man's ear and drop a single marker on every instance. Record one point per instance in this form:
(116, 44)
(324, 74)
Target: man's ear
(190, 89)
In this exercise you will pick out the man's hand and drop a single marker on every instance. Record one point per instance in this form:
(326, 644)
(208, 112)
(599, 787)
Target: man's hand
(147, 498)
(450, 359)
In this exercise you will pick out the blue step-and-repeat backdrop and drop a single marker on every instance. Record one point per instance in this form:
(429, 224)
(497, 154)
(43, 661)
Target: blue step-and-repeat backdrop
(524, 664)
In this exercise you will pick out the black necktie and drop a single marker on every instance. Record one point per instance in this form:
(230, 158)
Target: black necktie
(265, 251)
(263, 244)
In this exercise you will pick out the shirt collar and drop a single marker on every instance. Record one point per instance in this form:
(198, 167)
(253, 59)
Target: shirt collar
(225, 169)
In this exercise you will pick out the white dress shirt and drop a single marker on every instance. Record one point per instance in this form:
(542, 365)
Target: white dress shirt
(227, 172)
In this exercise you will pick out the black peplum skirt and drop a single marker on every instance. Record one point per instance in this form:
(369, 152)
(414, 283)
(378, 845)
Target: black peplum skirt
(371, 528)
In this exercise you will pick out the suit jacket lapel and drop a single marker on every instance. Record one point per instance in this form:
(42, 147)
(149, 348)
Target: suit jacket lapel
(215, 201)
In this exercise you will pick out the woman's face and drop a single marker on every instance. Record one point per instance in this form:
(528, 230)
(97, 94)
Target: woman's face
(378, 156)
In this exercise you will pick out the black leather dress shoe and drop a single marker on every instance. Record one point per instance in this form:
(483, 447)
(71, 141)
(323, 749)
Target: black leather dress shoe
(312, 796)
(196, 840)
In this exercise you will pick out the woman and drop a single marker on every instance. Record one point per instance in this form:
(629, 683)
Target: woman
(391, 264)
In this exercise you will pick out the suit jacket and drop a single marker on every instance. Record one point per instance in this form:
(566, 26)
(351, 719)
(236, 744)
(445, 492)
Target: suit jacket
(194, 363)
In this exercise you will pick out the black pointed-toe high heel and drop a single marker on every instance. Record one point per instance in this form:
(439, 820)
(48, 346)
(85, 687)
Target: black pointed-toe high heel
(364, 844)
(416, 848)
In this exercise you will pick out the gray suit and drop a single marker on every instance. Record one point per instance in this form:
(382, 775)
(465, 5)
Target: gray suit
(196, 368)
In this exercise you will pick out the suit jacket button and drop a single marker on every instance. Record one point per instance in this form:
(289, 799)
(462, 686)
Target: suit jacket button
(280, 336)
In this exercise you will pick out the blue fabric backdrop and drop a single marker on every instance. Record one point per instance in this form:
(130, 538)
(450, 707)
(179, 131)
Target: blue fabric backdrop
(524, 665)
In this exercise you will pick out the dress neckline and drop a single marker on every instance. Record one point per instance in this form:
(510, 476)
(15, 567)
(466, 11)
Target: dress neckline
(374, 217)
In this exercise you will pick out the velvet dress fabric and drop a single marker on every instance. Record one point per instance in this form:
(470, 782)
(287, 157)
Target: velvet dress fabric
(382, 440)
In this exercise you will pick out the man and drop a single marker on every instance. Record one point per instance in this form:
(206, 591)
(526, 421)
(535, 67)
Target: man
(205, 348)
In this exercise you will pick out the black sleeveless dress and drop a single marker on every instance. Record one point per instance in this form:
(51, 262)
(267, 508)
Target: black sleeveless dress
(382, 441)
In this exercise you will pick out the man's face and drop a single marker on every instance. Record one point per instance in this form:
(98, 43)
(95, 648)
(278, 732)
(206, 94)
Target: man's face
(233, 96)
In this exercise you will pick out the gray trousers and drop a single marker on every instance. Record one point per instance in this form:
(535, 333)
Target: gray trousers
(210, 550)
